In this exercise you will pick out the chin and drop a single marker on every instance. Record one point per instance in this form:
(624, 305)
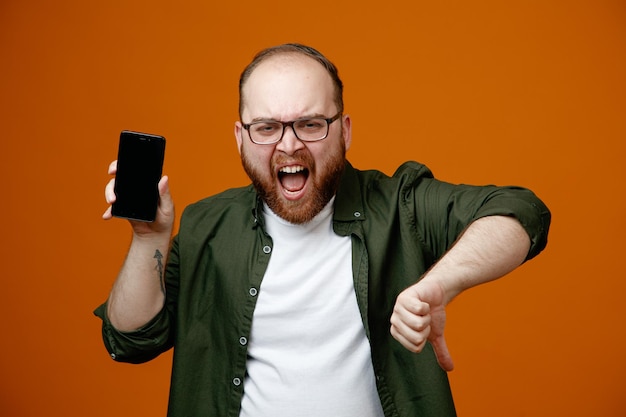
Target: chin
(296, 212)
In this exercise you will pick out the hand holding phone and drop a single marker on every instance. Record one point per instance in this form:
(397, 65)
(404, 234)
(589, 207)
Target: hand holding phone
(139, 168)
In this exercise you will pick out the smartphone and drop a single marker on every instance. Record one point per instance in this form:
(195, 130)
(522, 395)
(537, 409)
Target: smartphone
(139, 168)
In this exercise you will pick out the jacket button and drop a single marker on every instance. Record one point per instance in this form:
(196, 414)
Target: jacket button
(253, 292)
(267, 249)
(236, 382)
(243, 341)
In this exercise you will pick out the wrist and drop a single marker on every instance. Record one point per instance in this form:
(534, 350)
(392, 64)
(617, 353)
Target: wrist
(447, 287)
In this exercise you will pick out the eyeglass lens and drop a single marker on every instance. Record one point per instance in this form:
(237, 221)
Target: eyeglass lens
(305, 129)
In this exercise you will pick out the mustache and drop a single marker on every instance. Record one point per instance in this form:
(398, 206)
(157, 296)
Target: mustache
(300, 157)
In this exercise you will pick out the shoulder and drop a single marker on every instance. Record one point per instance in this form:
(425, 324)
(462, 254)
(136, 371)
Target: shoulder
(361, 189)
(409, 173)
(412, 170)
(235, 201)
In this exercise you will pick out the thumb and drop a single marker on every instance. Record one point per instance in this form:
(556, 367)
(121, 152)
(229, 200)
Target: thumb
(164, 194)
(164, 186)
(166, 204)
(441, 352)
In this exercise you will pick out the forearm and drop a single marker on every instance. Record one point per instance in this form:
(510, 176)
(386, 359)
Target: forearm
(488, 249)
(138, 293)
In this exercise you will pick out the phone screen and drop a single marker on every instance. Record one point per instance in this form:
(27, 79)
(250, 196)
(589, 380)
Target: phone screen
(139, 169)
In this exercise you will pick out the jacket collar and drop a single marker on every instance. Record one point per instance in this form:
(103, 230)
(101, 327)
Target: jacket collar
(349, 201)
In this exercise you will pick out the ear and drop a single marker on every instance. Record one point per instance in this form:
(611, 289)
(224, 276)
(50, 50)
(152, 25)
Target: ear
(238, 135)
(346, 125)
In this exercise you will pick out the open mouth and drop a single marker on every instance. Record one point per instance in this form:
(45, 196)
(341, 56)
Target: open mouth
(293, 179)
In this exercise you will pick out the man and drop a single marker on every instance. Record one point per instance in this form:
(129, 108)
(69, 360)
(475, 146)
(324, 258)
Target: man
(321, 289)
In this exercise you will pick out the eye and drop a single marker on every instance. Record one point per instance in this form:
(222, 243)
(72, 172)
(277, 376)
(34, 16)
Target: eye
(311, 124)
(266, 128)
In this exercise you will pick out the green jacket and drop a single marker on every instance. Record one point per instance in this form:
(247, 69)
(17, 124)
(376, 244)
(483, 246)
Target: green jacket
(399, 225)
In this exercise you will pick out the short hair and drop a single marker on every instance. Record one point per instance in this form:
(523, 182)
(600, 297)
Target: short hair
(293, 48)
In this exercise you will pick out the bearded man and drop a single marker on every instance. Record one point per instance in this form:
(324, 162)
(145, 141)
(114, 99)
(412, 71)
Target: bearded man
(320, 289)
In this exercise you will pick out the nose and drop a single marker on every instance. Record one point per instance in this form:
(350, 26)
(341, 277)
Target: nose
(289, 144)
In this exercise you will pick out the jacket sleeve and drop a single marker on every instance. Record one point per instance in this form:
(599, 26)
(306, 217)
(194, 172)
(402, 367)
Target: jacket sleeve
(138, 346)
(443, 211)
(155, 337)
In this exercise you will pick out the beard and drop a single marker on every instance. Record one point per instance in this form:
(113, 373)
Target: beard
(322, 184)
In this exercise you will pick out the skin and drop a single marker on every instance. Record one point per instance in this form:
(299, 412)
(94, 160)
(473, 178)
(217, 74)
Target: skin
(284, 88)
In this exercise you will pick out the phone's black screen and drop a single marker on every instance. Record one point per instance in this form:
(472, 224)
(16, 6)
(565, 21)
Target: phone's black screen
(139, 168)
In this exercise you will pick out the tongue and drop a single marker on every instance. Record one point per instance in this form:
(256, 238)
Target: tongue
(293, 182)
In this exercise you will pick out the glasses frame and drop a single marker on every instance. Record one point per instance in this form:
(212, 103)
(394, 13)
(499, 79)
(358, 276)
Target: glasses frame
(290, 124)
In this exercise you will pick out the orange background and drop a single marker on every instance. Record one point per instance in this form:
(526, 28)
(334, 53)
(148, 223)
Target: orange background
(530, 93)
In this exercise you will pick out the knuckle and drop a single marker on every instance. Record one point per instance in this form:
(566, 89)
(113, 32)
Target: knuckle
(417, 339)
(416, 347)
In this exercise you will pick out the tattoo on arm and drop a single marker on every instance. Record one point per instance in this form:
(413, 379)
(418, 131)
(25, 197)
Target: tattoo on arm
(159, 268)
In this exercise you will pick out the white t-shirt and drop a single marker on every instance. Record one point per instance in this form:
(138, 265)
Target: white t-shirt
(308, 352)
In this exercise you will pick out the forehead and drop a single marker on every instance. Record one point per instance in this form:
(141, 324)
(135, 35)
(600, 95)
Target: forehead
(288, 85)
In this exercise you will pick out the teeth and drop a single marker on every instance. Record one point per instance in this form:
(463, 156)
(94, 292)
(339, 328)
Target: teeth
(292, 169)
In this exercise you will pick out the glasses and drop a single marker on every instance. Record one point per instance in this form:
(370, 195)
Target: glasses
(310, 129)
